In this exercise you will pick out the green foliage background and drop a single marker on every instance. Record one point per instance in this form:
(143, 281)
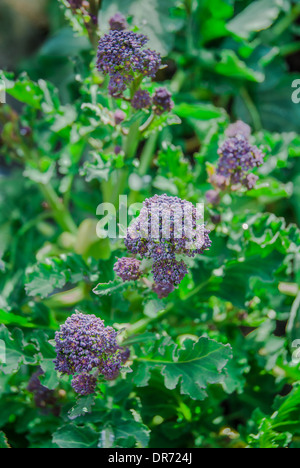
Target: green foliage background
(215, 364)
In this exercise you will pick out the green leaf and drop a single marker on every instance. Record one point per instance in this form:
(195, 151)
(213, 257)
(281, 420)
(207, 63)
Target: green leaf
(54, 273)
(83, 406)
(127, 429)
(259, 15)
(193, 367)
(71, 436)
(16, 350)
(106, 289)
(230, 65)
(3, 441)
(198, 111)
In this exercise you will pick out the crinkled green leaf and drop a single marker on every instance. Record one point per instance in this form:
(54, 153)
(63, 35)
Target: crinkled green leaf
(192, 367)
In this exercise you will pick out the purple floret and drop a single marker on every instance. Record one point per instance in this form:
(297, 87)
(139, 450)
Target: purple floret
(121, 55)
(44, 398)
(75, 3)
(84, 384)
(213, 197)
(141, 100)
(83, 343)
(167, 226)
(119, 116)
(237, 157)
(162, 101)
(118, 22)
(238, 128)
(168, 272)
(128, 268)
(163, 290)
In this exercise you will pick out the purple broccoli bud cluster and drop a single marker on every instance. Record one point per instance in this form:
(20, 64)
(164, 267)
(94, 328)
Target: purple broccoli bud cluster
(162, 101)
(84, 384)
(169, 271)
(122, 55)
(84, 345)
(238, 128)
(141, 100)
(128, 268)
(237, 157)
(75, 4)
(44, 398)
(166, 227)
(118, 22)
(119, 116)
(212, 197)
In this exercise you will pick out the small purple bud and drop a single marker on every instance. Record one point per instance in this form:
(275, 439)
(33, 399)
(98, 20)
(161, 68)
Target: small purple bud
(128, 268)
(141, 100)
(162, 101)
(119, 116)
(118, 22)
(238, 128)
(212, 197)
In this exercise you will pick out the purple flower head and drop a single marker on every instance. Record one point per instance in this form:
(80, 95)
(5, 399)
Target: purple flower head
(119, 116)
(218, 181)
(117, 149)
(141, 100)
(84, 384)
(250, 181)
(167, 226)
(83, 343)
(128, 268)
(162, 101)
(118, 22)
(43, 397)
(75, 3)
(118, 84)
(168, 272)
(125, 354)
(238, 128)
(163, 290)
(237, 157)
(121, 55)
(213, 197)
(111, 367)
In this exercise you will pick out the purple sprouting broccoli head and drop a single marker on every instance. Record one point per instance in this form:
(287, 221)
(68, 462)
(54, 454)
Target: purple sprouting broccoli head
(167, 226)
(162, 101)
(122, 55)
(237, 158)
(44, 398)
(84, 344)
(118, 22)
(128, 268)
(141, 100)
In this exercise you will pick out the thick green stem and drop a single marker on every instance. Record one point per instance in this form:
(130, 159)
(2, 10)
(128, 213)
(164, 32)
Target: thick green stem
(142, 324)
(60, 214)
(147, 154)
(252, 109)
